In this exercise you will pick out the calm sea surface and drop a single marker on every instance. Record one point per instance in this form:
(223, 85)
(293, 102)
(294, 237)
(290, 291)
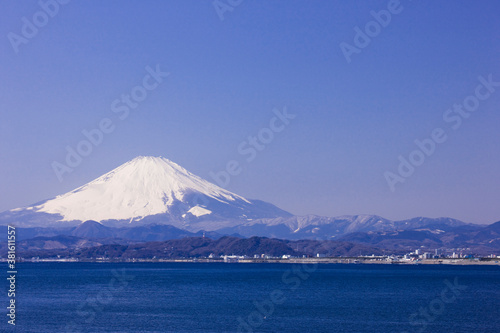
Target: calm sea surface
(190, 297)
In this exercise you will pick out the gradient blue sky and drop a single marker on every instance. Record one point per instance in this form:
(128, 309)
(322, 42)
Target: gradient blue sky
(352, 120)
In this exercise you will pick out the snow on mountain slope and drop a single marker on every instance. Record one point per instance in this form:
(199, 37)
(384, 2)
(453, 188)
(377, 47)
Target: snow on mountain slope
(141, 187)
(199, 211)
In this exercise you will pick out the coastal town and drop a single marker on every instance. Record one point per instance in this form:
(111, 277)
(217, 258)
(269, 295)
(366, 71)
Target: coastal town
(416, 257)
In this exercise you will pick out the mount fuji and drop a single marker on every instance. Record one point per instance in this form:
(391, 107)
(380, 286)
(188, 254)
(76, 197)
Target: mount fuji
(143, 191)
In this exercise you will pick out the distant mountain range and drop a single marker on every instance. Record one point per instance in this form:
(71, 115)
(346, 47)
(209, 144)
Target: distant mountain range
(93, 230)
(320, 227)
(482, 240)
(153, 199)
(189, 247)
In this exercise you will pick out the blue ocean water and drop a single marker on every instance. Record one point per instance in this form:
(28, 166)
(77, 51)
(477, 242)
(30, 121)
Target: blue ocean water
(216, 297)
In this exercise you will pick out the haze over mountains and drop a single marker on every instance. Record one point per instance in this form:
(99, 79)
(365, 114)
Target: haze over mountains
(154, 199)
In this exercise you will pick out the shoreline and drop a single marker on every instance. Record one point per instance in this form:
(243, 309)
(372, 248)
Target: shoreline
(353, 260)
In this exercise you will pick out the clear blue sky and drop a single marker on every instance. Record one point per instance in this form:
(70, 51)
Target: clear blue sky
(353, 120)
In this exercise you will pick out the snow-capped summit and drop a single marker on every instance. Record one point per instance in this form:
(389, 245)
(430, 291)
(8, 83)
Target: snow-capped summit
(143, 188)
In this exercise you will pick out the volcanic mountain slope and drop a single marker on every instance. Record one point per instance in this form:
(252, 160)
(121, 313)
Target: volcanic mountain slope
(146, 190)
